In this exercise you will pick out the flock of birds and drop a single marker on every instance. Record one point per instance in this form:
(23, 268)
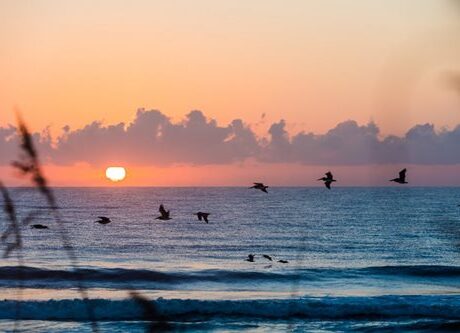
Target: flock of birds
(251, 257)
(328, 179)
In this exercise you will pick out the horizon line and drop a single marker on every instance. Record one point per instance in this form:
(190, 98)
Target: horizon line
(238, 186)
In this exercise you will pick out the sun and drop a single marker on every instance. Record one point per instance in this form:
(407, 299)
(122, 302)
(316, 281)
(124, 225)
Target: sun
(115, 174)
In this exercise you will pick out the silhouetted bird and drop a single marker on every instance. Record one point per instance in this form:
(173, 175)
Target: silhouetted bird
(103, 220)
(328, 179)
(260, 186)
(39, 226)
(283, 261)
(164, 214)
(401, 179)
(250, 258)
(267, 257)
(203, 216)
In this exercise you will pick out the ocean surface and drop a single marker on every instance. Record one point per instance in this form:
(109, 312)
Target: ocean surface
(359, 260)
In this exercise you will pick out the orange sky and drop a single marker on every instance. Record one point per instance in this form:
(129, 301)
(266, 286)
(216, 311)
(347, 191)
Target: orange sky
(313, 63)
(71, 62)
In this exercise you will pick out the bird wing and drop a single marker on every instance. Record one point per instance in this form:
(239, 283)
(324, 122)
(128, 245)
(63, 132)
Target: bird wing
(103, 218)
(264, 189)
(200, 216)
(205, 217)
(329, 175)
(328, 184)
(259, 184)
(162, 210)
(402, 174)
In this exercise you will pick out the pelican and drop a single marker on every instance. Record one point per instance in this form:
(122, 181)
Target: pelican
(250, 258)
(203, 216)
(401, 179)
(164, 214)
(260, 186)
(328, 179)
(39, 226)
(103, 220)
(267, 257)
(283, 261)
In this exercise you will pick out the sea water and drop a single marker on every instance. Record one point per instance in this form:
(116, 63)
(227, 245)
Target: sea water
(359, 259)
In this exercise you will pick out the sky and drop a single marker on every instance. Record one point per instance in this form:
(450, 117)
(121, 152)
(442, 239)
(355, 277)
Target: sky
(284, 89)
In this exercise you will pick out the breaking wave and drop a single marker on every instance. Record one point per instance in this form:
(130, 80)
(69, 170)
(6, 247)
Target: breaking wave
(376, 307)
(34, 275)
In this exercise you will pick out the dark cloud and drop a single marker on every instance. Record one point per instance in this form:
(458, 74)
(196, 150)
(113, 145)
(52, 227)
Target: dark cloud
(153, 139)
(346, 144)
(9, 144)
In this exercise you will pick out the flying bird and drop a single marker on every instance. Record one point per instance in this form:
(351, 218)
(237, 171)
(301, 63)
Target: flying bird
(260, 186)
(328, 179)
(267, 257)
(39, 226)
(103, 220)
(203, 216)
(250, 258)
(401, 179)
(164, 214)
(283, 261)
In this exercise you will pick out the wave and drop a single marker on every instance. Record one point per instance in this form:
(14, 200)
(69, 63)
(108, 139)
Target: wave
(133, 275)
(377, 307)
(437, 271)
(422, 325)
(31, 274)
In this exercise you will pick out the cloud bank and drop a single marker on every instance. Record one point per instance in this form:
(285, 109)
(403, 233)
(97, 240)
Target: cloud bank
(153, 139)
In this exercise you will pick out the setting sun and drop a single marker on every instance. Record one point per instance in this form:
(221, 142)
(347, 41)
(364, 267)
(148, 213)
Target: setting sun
(115, 174)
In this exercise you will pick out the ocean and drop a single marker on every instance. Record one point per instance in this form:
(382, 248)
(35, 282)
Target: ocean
(359, 260)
